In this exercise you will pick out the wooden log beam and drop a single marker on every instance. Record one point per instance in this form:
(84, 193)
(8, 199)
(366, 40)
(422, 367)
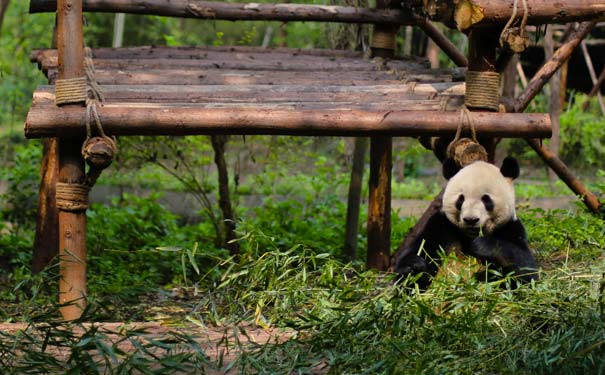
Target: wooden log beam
(72, 224)
(467, 14)
(443, 42)
(49, 121)
(240, 11)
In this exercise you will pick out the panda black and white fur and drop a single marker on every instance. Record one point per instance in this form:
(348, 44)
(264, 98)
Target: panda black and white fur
(478, 216)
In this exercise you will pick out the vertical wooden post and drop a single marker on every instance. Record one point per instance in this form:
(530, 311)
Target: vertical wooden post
(46, 241)
(379, 204)
(72, 224)
(379, 210)
(482, 46)
(353, 199)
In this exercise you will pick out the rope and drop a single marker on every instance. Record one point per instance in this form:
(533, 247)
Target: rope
(507, 28)
(72, 197)
(382, 39)
(70, 90)
(464, 150)
(482, 90)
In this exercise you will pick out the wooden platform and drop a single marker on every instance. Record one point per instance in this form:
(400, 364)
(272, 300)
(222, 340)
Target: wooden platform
(239, 90)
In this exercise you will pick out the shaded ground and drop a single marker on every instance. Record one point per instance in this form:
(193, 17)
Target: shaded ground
(220, 345)
(185, 205)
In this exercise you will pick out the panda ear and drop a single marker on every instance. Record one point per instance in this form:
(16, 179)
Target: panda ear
(450, 168)
(510, 168)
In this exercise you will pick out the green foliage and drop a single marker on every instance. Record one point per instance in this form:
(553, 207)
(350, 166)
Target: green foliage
(583, 135)
(562, 233)
(22, 176)
(136, 244)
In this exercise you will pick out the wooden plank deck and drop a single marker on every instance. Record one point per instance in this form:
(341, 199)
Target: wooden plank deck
(250, 90)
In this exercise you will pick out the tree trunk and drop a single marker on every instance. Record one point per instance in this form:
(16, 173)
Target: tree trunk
(354, 198)
(224, 202)
(554, 101)
(3, 7)
(46, 241)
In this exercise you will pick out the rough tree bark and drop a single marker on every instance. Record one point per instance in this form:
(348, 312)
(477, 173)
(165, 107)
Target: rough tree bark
(554, 102)
(354, 197)
(224, 202)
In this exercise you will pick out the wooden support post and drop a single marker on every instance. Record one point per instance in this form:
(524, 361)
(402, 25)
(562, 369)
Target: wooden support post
(379, 211)
(354, 197)
(381, 164)
(554, 102)
(72, 224)
(46, 241)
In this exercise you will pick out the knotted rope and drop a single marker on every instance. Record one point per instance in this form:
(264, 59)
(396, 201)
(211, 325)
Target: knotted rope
(465, 151)
(482, 90)
(98, 151)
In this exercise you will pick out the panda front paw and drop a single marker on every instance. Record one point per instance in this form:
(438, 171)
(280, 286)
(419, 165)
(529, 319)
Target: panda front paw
(484, 248)
(410, 265)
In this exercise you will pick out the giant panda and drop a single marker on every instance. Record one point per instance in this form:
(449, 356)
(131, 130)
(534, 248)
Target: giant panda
(477, 216)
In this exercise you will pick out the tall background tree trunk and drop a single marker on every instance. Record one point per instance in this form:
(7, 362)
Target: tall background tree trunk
(3, 8)
(224, 201)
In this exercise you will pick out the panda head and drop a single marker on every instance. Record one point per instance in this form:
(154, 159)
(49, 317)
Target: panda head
(480, 197)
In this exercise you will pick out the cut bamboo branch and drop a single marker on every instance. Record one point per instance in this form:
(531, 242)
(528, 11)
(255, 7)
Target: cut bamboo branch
(466, 14)
(49, 121)
(240, 11)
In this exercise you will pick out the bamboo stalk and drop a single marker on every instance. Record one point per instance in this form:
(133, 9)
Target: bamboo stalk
(240, 11)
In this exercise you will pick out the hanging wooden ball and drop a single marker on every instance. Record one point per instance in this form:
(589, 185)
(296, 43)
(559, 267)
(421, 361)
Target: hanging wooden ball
(99, 152)
(465, 151)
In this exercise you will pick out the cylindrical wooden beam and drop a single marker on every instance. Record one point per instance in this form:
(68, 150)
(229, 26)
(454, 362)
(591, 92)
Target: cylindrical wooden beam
(488, 13)
(49, 121)
(72, 224)
(379, 205)
(240, 11)
(443, 42)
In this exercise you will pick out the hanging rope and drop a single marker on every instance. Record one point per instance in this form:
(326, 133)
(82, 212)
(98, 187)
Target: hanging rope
(97, 151)
(465, 151)
(482, 90)
(515, 38)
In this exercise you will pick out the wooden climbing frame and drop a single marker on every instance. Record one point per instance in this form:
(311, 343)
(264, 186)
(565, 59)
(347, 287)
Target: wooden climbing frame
(237, 90)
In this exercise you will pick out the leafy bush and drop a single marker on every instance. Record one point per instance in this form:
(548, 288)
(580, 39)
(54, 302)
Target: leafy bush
(583, 135)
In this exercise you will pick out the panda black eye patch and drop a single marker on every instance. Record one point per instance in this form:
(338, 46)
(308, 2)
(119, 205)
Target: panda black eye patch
(488, 202)
(459, 202)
